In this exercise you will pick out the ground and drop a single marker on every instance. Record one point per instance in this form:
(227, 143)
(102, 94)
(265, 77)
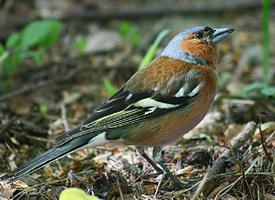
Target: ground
(234, 143)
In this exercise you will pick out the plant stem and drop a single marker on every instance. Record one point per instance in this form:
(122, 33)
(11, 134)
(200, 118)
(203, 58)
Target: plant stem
(266, 49)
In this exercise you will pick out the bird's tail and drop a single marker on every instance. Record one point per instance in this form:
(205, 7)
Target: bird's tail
(48, 157)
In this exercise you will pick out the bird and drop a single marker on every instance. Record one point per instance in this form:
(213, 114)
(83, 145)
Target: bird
(155, 107)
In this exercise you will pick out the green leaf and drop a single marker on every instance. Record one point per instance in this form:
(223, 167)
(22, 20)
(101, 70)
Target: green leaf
(81, 44)
(40, 33)
(124, 28)
(2, 49)
(268, 91)
(130, 32)
(75, 194)
(152, 50)
(251, 88)
(224, 78)
(38, 56)
(207, 137)
(111, 90)
(266, 41)
(13, 40)
(11, 62)
(3, 55)
(258, 90)
(135, 38)
(43, 109)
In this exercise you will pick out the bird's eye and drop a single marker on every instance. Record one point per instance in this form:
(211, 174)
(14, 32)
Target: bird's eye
(207, 29)
(199, 35)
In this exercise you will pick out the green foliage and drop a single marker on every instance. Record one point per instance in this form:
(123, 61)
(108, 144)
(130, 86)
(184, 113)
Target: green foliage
(31, 42)
(13, 40)
(111, 89)
(10, 62)
(80, 44)
(43, 109)
(258, 90)
(38, 56)
(75, 194)
(3, 54)
(207, 137)
(2, 49)
(265, 30)
(224, 78)
(150, 54)
(40, 33)
(130, 32)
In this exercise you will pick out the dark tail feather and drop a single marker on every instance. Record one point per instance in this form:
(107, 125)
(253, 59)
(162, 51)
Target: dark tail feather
(35, 164)
(47, 157)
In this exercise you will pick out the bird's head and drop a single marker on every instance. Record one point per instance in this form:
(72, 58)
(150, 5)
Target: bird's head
(196, 45)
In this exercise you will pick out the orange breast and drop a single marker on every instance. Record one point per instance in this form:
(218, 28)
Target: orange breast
(171, 126)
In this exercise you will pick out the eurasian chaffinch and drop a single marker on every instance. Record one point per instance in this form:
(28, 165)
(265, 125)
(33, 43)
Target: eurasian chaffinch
(156, 106)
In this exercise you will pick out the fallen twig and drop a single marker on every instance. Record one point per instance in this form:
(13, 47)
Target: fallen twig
(230, 186)
(64, 116)
(219, 164)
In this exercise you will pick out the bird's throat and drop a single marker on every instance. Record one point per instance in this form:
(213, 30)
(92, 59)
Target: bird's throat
(194, 60)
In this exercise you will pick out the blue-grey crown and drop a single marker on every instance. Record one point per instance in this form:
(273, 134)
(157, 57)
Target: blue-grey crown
(173, 49)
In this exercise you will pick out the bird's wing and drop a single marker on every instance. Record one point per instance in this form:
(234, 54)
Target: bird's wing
(127, 107)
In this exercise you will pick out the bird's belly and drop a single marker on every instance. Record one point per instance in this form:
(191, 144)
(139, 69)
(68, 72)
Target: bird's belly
(165, 129)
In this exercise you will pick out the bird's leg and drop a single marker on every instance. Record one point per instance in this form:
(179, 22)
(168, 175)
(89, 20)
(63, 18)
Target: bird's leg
(149, 160)
(158, 157)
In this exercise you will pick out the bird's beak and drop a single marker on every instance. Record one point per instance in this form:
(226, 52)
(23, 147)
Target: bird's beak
(221, 33)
